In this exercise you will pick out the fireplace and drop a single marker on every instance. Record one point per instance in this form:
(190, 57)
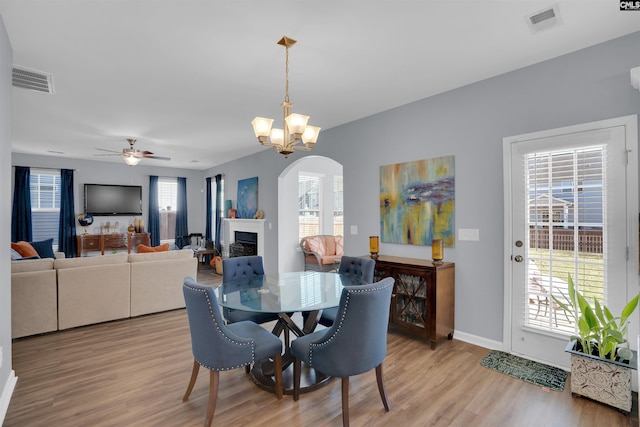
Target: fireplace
(244, 232)
(245, 244)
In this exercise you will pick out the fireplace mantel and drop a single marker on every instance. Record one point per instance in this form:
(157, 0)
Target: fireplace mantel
(248, 225)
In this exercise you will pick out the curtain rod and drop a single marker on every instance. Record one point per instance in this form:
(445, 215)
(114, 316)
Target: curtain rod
(214, 175)
(43, 168)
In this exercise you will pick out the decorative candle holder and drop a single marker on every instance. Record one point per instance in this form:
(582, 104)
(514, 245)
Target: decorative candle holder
(374, 246)
(437, 251)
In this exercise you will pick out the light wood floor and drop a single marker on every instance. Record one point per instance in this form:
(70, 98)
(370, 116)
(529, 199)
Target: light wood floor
(134, 372)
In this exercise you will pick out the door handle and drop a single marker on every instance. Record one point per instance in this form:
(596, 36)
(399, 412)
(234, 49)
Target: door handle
(518, 258)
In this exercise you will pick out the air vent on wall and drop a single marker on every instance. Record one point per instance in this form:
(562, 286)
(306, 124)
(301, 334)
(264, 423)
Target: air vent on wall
(544, 19)
(32, 79)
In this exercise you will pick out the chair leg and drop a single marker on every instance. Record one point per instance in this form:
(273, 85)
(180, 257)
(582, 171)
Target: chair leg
(345, 401)
(214, 381)
(192, 381)
(383, 392)
(278, 374)
(297, 371)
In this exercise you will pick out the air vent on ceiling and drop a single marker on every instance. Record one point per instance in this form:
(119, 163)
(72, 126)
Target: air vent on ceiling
(27, 78)
(544, 19)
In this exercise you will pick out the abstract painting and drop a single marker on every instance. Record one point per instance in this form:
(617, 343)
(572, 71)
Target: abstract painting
(417, 202)
(247, 197)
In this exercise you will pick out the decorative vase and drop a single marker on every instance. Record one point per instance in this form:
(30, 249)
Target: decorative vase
(602, 380)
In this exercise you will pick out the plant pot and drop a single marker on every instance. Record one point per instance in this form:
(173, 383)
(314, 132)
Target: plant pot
(602, 380)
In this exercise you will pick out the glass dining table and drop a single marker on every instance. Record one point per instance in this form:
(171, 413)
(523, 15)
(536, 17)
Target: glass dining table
(287, 294)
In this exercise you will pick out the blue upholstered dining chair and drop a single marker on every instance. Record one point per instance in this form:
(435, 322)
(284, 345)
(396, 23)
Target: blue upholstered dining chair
(238, 268)
(354, 344)
(219, 347)
(356, 266)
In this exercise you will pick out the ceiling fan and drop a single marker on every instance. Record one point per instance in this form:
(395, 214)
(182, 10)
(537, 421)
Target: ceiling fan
(132, 156)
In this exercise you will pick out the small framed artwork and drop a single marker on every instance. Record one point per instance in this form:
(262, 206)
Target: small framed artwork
(247, 197)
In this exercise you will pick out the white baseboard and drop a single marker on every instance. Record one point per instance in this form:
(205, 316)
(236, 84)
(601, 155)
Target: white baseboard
(7, 392)
(479, 341)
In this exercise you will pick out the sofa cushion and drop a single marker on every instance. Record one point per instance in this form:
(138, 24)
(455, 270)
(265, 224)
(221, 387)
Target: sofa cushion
(339, 246)
(34, 302)
(24, 248)
(28, 265)
(90, 261)
(15, 255)
(329, 245)
(142, 249)
(315, 244)
(161, 256)
(44, 248)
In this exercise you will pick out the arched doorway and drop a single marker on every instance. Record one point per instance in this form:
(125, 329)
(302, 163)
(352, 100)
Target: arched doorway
(289, 255)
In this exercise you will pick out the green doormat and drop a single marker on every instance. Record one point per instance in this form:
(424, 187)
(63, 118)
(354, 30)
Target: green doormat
(527, 370)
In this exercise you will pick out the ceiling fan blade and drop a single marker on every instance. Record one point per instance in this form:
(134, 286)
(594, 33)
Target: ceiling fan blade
(101, 155)
(108, 151)
(147, 152)
(156, 157)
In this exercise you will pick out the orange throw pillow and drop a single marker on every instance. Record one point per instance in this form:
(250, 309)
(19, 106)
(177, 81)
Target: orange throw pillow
(24, 248)
(146, 249)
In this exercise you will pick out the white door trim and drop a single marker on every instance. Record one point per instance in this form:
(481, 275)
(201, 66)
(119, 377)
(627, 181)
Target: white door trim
(631, 135)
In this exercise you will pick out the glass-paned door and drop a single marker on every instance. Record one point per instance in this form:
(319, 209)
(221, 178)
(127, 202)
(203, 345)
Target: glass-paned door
(569, 219)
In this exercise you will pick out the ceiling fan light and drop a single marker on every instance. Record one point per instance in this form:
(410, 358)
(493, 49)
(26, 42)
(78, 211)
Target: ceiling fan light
(131, 160)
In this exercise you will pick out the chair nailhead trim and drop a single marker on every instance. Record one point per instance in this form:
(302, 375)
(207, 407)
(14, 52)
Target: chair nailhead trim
(346, 304)
(231, 340)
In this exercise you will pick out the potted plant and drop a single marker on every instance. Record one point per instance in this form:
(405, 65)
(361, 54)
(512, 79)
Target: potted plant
(600, 366)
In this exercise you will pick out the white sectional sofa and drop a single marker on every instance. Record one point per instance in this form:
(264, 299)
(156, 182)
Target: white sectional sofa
(34, 297)
(48, 295)
(93, 289)
(156, 280)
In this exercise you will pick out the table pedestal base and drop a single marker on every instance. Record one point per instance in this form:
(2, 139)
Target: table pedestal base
(310, 379)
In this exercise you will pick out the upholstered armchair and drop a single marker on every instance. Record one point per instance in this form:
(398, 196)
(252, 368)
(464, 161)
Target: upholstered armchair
(356, 266)
(238, 268)
(219, 347)
(354, 344)
(321, 252)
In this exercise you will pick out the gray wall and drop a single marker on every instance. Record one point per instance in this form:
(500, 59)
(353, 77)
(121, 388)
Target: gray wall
(94, 172)
(468, 123)
(6, 62)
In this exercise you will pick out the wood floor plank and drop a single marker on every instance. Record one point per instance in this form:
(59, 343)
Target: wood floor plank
(134, 372)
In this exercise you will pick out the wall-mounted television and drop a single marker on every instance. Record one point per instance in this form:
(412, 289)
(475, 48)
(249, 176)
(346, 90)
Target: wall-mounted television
(104, 199)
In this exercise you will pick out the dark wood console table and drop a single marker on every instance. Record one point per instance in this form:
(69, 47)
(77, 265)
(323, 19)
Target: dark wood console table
(423, 296)
(111, 242)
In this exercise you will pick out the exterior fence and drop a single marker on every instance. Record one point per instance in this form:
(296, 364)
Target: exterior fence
(589, 241)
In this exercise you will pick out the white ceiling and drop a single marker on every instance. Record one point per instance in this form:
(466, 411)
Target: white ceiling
(187, 77)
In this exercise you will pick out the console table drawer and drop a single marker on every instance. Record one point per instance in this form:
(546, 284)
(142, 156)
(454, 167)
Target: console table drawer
(89, 242)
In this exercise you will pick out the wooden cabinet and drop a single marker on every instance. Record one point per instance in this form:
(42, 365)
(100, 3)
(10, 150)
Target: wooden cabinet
(423, 297)
(111, 242)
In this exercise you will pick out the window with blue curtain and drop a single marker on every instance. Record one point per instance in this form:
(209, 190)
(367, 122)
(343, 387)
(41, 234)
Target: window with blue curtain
(207, 231)
(67, 224)
(219, 180)
(182, 226)
(21, 212)
(154, 213)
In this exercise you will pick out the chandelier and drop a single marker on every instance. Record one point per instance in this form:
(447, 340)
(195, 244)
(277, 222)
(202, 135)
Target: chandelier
(296, 135)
